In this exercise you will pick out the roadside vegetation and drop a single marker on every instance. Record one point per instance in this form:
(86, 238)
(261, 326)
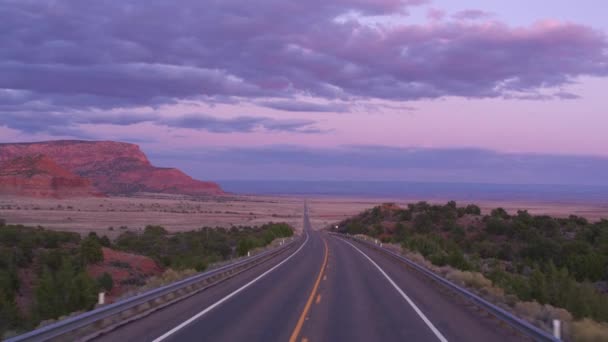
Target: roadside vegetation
(45, 274)
(542, 267)
(56, 262)
(197, 249)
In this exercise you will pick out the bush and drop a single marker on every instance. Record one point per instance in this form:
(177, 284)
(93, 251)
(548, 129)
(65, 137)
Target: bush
(106, 282)
(244, 246)
(470, 279)
(90, 251)
(472, 209)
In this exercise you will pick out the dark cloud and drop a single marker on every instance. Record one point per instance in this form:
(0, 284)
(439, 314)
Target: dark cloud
(391, 163)
(112, 54)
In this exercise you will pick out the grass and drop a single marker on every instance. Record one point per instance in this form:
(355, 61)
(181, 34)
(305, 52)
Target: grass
(587, 330)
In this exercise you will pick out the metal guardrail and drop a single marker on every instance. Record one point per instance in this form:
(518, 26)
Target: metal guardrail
(106, 318)
(517, 323)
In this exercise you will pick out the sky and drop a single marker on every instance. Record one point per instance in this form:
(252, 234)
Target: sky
(416, 90)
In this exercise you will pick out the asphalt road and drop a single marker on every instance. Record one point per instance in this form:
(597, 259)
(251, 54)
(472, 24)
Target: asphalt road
(326, 289)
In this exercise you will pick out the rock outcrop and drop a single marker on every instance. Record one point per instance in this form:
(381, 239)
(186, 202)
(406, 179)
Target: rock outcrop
(112, 167)
(39, 176)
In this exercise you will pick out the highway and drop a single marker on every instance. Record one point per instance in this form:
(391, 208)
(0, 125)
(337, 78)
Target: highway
(325, 289)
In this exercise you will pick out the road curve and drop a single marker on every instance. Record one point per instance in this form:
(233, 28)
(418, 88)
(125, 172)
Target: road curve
(328, 289)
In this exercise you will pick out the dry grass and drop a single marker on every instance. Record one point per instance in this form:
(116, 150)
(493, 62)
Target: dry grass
(469, 279)
(587, 330)
(134, 213)
(181, 213)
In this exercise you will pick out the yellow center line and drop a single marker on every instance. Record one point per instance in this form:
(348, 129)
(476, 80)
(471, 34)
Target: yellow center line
(298, 328)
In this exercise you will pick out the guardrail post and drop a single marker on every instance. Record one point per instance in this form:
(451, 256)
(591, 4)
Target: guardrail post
(557, 329)
(101, 300)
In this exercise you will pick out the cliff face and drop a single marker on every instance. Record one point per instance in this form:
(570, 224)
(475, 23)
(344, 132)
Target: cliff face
(40, 176)
(113, 167)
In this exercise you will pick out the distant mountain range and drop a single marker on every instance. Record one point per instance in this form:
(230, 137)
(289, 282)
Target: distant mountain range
(72, 168)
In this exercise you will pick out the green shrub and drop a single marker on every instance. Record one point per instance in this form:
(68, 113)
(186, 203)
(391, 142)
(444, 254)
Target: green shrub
(106, 282)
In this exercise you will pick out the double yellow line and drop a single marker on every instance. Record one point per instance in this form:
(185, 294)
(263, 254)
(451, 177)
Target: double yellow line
(298, 328)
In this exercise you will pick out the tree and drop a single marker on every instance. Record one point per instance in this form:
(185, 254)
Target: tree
(244, 246)
(400, 232)
(422, 223)
(472, 209)
(9, 314)
(538, 286)
(105, 241)
(500, 213)
(84, 291)
(46, 300)
(106, 282)
(90, 251)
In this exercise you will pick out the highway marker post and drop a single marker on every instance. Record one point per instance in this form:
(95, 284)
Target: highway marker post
(557, 329)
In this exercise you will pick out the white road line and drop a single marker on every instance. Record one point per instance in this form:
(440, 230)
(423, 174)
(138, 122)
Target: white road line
(410, 302)
(219, 302)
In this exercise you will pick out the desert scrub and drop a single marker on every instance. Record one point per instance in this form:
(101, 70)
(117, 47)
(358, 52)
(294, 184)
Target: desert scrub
(587, 330)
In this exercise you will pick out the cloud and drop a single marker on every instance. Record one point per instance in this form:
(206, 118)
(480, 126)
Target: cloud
(564, 95)
(303, 106)
(70, 124)
(394, 163)
(120, 54)
(472, 14)
(241, 124)
(435, 14)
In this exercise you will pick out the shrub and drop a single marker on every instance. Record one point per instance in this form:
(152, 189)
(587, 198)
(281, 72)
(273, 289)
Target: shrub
(470, 279)
(90, 250)
(106, 282)
(472, 209)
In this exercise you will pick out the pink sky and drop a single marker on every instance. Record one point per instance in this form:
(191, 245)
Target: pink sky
(424, 74)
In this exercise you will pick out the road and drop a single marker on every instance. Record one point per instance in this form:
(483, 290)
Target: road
(326, 289)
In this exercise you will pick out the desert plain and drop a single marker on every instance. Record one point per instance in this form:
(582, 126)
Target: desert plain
(113, 215)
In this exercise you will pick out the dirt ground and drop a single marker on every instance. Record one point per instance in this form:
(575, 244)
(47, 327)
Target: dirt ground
(113, 215)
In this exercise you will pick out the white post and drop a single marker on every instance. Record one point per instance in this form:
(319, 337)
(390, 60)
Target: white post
(557, 329)
(248, 253)
(102, 298)
(380, 244)
(376, 241)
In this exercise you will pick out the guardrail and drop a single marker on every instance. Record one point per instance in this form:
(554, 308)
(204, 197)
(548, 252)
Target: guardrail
(523, 326)
(93, 323)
